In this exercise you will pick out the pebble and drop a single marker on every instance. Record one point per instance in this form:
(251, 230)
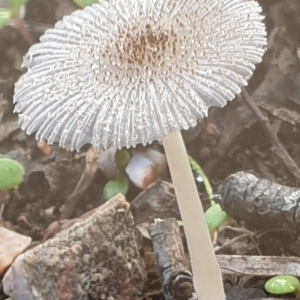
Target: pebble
(11, 245)
(146, 167)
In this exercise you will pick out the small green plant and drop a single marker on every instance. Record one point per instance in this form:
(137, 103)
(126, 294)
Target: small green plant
(84, 3)
(5, 16)
(15, 6)
(121, 183)
(11, 174)
(214, 215)
(12, 12)
(281, 285)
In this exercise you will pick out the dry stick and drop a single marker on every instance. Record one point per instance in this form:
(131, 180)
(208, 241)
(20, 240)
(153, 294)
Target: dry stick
(206, 271)
(177, 281)
(259, 266)
(84, 182)
(278, 148)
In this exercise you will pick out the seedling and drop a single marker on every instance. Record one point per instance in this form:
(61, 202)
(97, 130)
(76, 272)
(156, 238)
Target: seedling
(5, 16)
(214, 215)
(11, 174)
(16, 6)
(13, 12)
(114, 187)
(128, 72)
(281, 285)
(121, 183)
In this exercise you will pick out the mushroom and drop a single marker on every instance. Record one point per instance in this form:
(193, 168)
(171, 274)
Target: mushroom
(125, 72)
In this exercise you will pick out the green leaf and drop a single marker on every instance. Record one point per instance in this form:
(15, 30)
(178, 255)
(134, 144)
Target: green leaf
(122, 159)
(114, 187)
(280, 285)
(84, 3)
(16, 5)
(11, 174)
(5, 15)
(215, 217)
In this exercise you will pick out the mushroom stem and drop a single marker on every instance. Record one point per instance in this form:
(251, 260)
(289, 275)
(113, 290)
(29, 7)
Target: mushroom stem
(207, 275)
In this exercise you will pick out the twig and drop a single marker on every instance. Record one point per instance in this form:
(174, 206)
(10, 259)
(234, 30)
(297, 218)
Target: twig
(82, 185)
(177, 281)
(261, 266)
(278, 148)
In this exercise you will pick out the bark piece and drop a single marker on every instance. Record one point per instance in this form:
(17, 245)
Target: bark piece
(260, 203)
(158, 201)
(96, 258)
(177, 281)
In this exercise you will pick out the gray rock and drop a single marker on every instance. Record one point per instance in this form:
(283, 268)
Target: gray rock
(95, 258)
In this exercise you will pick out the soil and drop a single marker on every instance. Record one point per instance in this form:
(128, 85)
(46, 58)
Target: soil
(229, 140)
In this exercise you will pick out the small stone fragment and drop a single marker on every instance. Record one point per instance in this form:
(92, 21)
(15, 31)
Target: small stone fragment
(11, 245)
(146, 167)
(95, 258)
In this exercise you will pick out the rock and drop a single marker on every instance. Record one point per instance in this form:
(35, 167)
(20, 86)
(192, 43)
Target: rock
(11, 245)
(95, 258)
(146, 167)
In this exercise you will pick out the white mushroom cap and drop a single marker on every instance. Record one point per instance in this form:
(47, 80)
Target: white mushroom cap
(132, 71)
